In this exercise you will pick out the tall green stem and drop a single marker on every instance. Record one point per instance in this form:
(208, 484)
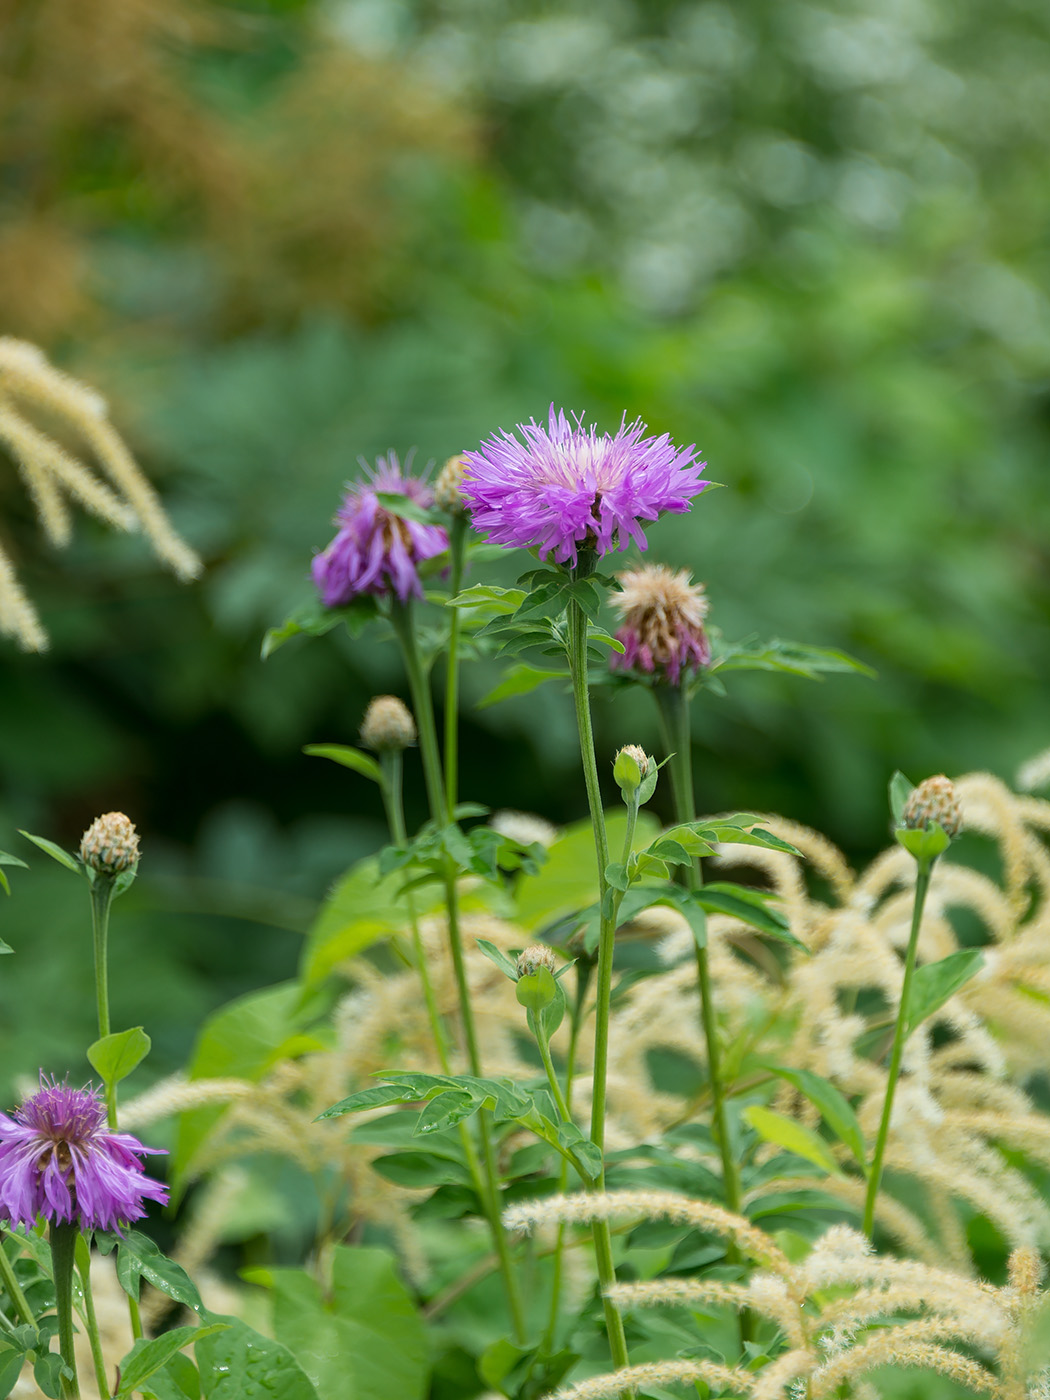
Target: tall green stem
(83, 1261)
(101, 900)
(900, 1035)
(13, 1288)
(457, 539)
(674, 713)
(63, 1239)
(603, 990)
(422, 703)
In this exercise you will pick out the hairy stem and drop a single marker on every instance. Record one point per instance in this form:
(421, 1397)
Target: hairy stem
(101, 901)
(900, 1033)
(606, 947)
(63, 1238)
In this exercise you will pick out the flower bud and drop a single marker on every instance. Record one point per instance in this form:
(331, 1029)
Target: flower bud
(933, 801)
(535, 956)
(629, 768)
(448, 488)
(388, 724)
(110, 844)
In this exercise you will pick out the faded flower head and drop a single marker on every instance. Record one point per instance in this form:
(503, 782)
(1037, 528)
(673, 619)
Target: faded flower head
(663, 623)
(535, 956)
(388, 724)
(448, 488)
(567, 486)
(110, 844)
(59, 1160)
(934, 800)
(376, 551)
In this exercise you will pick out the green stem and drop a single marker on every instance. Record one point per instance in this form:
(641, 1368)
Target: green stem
(673, 703)
(457, 538)
(606, 947)
(900, 1035)
(13, 1288)
(101, 900)
(63, 1238)
(548, 1065)
(83, 1260)
(401, 618)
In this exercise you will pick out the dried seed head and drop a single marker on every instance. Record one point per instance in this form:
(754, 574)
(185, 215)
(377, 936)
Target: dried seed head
(448, 488)
(110, 844)
(388, 724)
(933, 801)
(535, 956)
(663, 623)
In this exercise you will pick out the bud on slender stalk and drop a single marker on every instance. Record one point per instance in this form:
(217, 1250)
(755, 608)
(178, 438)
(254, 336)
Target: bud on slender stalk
(110, 844)
(933, 801)
(387, 725)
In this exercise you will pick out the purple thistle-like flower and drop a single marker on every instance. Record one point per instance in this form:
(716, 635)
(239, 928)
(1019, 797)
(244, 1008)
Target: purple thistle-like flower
(376, 551)
(59, 1160)
(567, 486)
(663, 623)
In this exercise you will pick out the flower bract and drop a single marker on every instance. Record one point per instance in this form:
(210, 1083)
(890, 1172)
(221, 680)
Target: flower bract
(377, 551)
(567, 486)
(59, 1160)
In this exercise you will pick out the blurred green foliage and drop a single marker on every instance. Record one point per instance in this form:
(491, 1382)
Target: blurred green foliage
(810, 238)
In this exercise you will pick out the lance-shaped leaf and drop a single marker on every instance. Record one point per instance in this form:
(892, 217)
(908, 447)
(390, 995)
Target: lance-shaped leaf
(796, 1137)
(362, 763)
(934, 983)
(830, 1102)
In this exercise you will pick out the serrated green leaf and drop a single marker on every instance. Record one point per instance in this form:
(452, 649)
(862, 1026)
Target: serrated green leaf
(830, 1102)
(115, 1056)
(362, 763)
(55, 852)
(796, 1137)
(933, 983)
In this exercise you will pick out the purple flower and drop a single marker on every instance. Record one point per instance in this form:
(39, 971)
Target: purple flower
(59, 1160)
(663, 615)
(376, 551)
(566, 486)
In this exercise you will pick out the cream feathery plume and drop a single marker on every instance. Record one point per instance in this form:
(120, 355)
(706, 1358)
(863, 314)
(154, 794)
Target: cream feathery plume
(176, 1094)
(582, 1209)
(51, 473)
(902, 1346)
(770, 1382)
(630, 1378)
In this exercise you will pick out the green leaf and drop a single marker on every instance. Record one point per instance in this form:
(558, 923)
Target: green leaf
(48, 1370)
(399, 504)
(933, 983)
(6, 859)
(446, 1111)
(924, 844)
(147, 1357)
(496, 955)
(750, 907)
(138, 1256)
(796, 1137)
(795, 658)
(422, 1170)
(831, 1103)
(900, 790)
(11, 1361)
(240, 1364)
(489, 598)
(55, 852)
(4, 947)
(360, 762)
(569, 881)
(519, 680)
(314, 620)
(115, 1056)
(361, 1338)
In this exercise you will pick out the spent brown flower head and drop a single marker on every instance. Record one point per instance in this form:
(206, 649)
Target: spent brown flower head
(388, 724)
(110, 844)
(663, 622)
(535, 956)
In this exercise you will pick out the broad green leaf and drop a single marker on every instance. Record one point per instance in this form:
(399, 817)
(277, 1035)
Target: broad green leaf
(241, 1364)
(55, 852)
(241, 1041)
(830, 1102)
(397, 503)
(796, 1137)
(489, 598)
(360, 1338)
(11, 1361)
(750, 907)
(519, 680)
(933, 983)
(900, 791)
(138, 1257)
(569, 880)
(147, 1357)
(421, 1170)
(48, 1370)
(314, 620)
(115, 1056)
(350, 758)
(796, 658)
(446, 1111)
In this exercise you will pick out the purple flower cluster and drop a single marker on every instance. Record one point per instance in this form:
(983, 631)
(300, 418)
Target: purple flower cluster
(568, 486)
(58, 1160)
(375, 550)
